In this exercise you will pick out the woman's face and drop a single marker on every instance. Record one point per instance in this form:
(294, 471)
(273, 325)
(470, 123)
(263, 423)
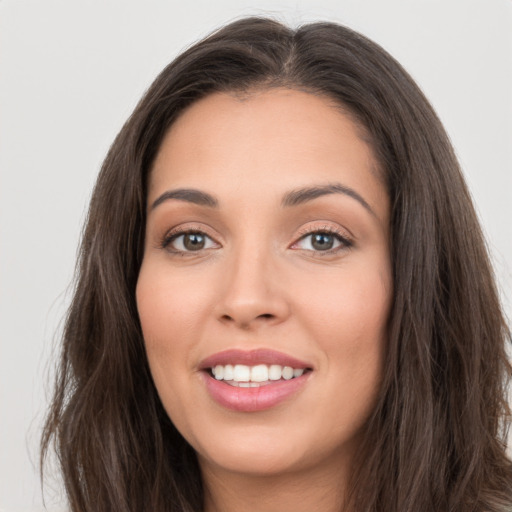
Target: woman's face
(267, 262)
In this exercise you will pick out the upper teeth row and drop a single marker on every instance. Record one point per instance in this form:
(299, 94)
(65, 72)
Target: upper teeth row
(259, 373)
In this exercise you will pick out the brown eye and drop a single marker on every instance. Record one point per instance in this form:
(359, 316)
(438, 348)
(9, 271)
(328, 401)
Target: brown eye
(192, 241)
(322, 241)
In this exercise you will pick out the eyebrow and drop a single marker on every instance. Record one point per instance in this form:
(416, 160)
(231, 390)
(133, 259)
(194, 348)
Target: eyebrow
(189, 195)
(303, 195)
(292, 198)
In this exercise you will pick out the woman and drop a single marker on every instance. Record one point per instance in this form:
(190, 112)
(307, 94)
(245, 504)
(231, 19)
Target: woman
(284, 299)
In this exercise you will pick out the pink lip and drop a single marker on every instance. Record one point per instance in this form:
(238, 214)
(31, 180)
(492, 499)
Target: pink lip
(252, 399)
(252, 358)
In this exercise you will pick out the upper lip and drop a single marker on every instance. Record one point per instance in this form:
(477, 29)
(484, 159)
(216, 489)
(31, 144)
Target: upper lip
(252, 358)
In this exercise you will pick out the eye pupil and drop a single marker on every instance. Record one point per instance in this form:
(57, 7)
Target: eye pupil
(193, 241)
(322, 241)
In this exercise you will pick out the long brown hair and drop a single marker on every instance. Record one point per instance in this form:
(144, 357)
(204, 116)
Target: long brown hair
(436, 440)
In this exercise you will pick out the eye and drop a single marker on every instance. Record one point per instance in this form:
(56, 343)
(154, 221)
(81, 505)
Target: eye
(322, 241)
(190, 241)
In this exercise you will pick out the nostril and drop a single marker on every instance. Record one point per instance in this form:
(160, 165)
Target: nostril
(245, 319)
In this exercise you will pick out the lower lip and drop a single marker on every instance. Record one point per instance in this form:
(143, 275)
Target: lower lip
(253, 399)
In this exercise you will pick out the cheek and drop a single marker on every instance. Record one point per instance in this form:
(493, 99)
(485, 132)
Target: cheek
(349, 308)
(348, 316)
(169, 317)
(171, 306)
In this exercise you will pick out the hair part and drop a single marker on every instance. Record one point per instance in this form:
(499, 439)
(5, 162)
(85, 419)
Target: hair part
(436, 440)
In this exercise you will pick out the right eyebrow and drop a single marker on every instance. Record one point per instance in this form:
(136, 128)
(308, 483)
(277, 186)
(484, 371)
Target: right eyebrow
(190, 195)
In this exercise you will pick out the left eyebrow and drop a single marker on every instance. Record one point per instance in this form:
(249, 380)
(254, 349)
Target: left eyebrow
(303, 195)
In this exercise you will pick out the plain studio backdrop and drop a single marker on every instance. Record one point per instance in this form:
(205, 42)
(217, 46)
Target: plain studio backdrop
(70, 74)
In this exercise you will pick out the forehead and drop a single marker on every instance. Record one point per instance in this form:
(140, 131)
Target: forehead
(265, 143)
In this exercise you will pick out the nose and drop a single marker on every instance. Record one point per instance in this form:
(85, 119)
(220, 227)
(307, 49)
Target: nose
(252, 293)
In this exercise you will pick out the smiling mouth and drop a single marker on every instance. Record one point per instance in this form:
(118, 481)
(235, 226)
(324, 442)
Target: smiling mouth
(253, 380)
(244, 376)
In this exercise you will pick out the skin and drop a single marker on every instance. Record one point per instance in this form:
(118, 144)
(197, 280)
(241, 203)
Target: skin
(259, 282)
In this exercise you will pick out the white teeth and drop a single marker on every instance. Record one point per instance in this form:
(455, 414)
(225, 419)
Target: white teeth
(218, 371)
(228, 372)
(259, 373)
(241, 373)
(251, 376)
(236, 384)
(287, 373)
(274, 372)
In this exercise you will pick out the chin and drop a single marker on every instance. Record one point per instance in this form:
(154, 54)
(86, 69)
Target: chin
(269, 451)
(254, 461)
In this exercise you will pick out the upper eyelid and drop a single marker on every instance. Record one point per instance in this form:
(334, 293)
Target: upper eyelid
(334, 230)
(189, 228)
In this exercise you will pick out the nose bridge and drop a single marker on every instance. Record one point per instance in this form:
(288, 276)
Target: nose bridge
(251, 291)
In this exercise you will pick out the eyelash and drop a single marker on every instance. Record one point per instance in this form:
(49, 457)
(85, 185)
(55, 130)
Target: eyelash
(345, 242)
(341, 237)
(172, 236)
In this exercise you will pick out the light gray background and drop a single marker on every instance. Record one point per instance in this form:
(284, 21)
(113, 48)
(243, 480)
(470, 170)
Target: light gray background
(71, 72)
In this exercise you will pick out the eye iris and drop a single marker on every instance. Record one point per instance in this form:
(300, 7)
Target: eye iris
(322, 241)
(193, 241)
